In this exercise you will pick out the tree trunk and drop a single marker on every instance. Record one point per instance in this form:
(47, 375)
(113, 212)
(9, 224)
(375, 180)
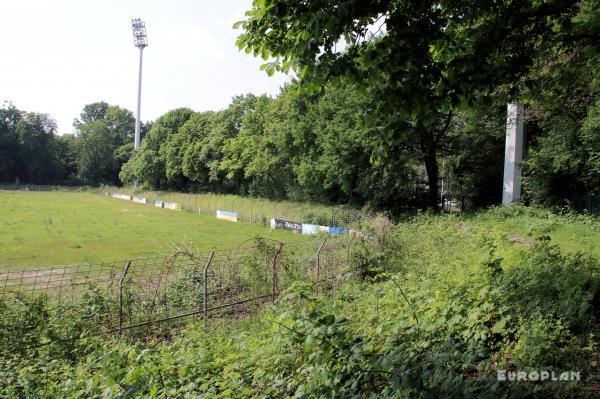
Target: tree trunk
(429, 149)
(432, 179)
(430, 141)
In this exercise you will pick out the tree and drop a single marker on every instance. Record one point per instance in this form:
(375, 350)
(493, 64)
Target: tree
(256, 156)
(92, 112)
(119, 120)
(9, 143)
(315, 147)
(148, 165)
(332, 149)
(473, 166)
(65, 152)
(30, 150)
(104, 136)
(184, 152)
(95, 150)
(563, 124)
(425, 61)
(37, 157)
(563, 166)
(228, 125)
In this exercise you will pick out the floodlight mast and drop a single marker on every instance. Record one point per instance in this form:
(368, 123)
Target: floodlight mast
(140, 41)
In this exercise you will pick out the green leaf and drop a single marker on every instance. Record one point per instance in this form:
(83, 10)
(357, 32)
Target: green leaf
(499, 326)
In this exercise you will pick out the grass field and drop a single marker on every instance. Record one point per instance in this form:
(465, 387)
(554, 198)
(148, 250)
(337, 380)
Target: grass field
(48, 228)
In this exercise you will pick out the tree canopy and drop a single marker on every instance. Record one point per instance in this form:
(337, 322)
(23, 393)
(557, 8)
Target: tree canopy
(418, 61)
(430, 54)
(104, 136)
(393, 103)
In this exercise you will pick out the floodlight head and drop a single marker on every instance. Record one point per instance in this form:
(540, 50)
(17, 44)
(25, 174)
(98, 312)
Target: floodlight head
(139, 33)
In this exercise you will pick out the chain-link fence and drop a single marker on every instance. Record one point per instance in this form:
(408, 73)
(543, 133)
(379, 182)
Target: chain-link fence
(586, 202)
(258, 210)
(149, 295)
(47, 187)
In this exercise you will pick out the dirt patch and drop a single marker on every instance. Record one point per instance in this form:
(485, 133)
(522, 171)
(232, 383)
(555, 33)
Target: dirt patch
(35, 274)
(517, 239)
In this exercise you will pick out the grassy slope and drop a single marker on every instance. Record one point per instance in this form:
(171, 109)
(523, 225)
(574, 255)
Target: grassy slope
(437, 255)
(295, 346)
(452, 240)
(46, 228)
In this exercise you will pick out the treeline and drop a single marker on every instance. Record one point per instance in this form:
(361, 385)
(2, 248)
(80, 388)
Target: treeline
(310, 147)
(32, 152)
(319, 148)
(326, 147)
(378, 128)
(293, 146)
(400, 118)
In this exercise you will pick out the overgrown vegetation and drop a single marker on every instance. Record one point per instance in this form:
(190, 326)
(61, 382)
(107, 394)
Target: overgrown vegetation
(397, 117)
(434, 308)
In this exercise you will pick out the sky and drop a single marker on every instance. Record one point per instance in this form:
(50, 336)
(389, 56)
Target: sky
(60, 55)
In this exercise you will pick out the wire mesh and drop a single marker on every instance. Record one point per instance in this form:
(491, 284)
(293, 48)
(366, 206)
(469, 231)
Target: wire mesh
(146, 295)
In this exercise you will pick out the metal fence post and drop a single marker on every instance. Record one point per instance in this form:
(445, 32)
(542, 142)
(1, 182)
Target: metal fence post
(348, 250)
(319, 258)
(274, 272)
(120, 298)
(348, 219)
(205, 292)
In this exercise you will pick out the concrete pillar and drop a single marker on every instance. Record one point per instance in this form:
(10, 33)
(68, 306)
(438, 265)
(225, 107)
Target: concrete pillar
(513, 154)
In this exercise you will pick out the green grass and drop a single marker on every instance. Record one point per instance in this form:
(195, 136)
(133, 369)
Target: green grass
(47, 228)
(446, 315)
(460, 239)
(570, 235)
